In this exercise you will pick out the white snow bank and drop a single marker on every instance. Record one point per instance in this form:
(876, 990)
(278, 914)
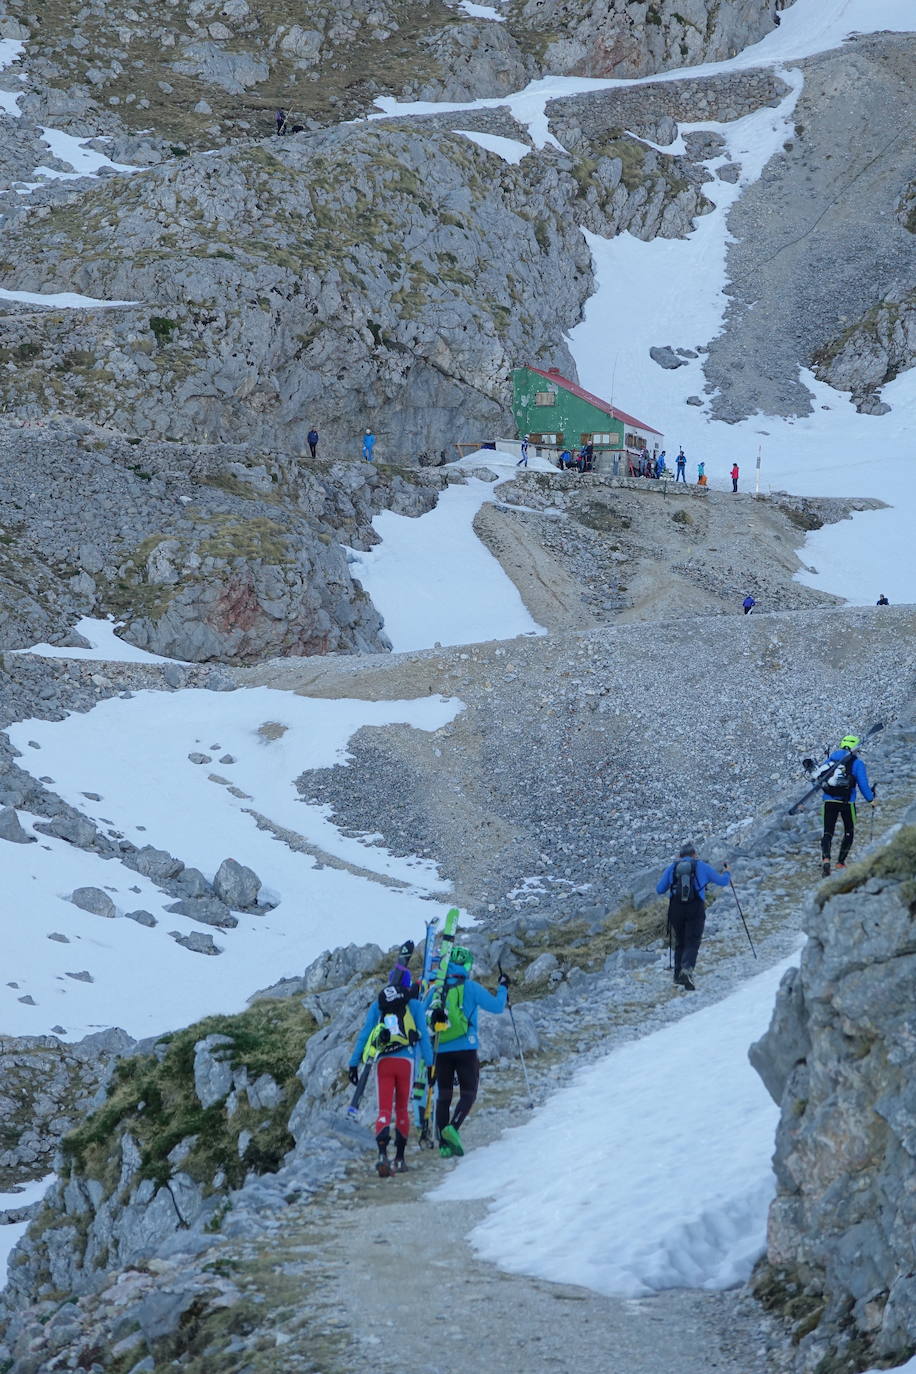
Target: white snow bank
(104, 645)
(133, 756)
(66, 300)
(84, 161)
(509, 149)
(481, 11)
(502, 462)
(10, 50)
(908, 1368)
(435, 582)
(12, 1232)
(651, 1169)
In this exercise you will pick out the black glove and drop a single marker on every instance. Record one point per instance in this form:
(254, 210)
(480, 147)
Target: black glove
(505, 981)
(384, 1036)
(874, 791)
(431, 1074)
(413, 1038)
(353, 1074)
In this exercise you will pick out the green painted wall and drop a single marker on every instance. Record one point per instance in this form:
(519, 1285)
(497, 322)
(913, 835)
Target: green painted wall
(570, 416)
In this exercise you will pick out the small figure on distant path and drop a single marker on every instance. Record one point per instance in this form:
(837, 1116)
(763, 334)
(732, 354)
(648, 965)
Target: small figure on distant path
(685, 882)
(734, 476)
(312, 440)
(701, 474)
(680, 463)
(280, 118)
(523, 461)
(368, 445)
(840, 799)
(882, 600)
(748, 603)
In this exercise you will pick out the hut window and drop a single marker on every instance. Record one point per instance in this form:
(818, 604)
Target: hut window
(601, 438)
(545, 398)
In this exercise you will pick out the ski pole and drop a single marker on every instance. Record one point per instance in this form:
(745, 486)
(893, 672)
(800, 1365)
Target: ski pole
(518, 1043)
(743, 921)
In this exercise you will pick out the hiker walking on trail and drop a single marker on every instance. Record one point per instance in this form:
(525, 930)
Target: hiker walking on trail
(685, 882)
(312, 440)
(456, 1046)
(734, 474)
(368, 445)
(393, 1029)
(840, 799)
(680, 464)
(748, 603)
(882, 600)
(280, 118)
(523, 461)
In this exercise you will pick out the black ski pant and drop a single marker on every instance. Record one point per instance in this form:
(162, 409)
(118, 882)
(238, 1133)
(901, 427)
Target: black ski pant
(313, 448)
(838, 811)
(686, 920)
(465, 1066)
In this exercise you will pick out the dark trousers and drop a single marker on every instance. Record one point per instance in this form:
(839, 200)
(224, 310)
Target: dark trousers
(687, 920)
(838, 811)
(465, 1066)
(681, 476)
(313, 448)
(734, 484)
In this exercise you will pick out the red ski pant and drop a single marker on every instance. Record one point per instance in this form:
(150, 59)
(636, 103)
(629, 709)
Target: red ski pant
(395, 1082)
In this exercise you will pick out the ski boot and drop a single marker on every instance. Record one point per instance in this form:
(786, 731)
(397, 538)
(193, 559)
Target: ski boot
(399, 1166)
(825, 868)
(383, 1166)
(452, 1139)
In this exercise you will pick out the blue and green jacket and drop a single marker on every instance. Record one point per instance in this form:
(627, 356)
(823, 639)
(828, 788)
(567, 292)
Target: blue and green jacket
(475, 997)
(374, 1015)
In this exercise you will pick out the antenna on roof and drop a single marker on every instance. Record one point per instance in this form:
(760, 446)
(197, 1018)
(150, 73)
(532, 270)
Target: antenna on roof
(613, 381)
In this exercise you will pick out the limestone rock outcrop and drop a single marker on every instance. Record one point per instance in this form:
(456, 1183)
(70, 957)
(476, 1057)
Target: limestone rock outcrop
(838, 1059)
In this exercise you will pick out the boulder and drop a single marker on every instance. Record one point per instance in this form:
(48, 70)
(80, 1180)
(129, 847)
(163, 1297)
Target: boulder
(95, 900)
(156, 864)
(196, 942)
(11, 828)
(210, 911)
(237, 885)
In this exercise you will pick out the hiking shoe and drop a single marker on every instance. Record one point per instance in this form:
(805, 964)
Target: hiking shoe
(383, 1168)
(451, 1138)
(399, 1167)
(446, 1152)
(825, 868)
(841, 865)
(687, 982)
(679, 979)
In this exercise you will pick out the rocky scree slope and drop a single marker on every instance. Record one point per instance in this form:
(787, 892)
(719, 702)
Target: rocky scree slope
(215, 69)
(838, 1060)
(211, 1141)
(383, 275)
(216, 553)
(575, 761)
(822, 245)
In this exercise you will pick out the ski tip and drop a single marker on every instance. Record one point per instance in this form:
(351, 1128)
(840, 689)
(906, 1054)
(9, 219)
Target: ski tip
(452, 911)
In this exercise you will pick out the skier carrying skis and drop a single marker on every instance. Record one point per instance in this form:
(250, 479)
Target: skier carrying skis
(685, 882)
(840, 799)
(456, 1044)
(393, 1028)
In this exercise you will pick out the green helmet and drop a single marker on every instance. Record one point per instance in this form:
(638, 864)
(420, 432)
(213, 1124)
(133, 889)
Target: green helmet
(462, 956)
(849, 742)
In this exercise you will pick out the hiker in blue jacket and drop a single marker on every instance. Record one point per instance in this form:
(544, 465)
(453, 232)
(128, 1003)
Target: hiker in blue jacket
(840, 799)
(392, 1033)
(685, 882)
(368, 445)
(456, 1045)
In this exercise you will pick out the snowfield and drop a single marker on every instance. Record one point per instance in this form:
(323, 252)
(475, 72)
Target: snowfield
(650, 1170)
(133, 756)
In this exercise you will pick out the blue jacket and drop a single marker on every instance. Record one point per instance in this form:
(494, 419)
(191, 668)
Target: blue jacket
(475, 997)
(369, 442)
(859, 776)
(373, 1016)
(705, 873)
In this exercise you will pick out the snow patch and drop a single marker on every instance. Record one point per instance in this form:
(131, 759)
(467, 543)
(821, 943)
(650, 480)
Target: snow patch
(660, 1172)
(481, 11)
(509, 149)
(104, 643)
(435, 582)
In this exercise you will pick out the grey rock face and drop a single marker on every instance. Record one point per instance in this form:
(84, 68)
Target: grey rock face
(237, 885)
(11, 829)
(838, 1054)
(212, 1069)
(95, 900)
(872, 352)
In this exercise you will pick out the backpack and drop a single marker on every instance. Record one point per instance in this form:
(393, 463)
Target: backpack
(683, 881)
(396, 1030)
(840, 784)
(458, 1023)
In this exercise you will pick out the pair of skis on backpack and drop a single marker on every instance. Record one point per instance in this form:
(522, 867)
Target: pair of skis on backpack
(432, 976)
(821, 774)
